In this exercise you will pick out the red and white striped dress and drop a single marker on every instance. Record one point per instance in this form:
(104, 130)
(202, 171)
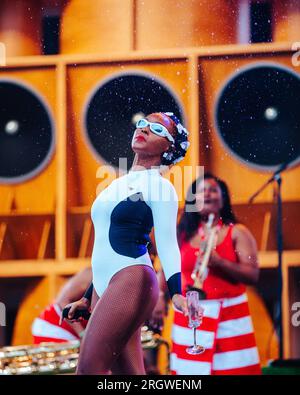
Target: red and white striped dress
(226, 331)
(46, 328)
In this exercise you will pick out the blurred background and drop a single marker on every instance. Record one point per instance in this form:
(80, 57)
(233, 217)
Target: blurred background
(78, 73)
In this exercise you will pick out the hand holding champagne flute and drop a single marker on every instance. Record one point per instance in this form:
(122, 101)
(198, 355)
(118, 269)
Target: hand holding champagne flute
(195, 320)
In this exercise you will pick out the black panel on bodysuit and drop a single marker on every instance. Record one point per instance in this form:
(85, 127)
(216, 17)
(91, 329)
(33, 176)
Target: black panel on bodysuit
(131, 222)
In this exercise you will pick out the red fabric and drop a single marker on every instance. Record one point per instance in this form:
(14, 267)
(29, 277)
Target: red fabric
(208, 324)
(236, 343)
(51, 316)
(234, 312)
(215, 285)
(180, 351)
(242, 342)
(43, 339)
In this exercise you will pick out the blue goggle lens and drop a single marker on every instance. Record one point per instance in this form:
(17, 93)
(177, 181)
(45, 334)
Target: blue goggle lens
(142, 123)
(155, 127)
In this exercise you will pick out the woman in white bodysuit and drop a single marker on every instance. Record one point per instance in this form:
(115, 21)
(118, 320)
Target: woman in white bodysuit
(124, 285)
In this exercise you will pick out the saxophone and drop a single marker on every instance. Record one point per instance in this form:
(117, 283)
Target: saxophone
(61, 358)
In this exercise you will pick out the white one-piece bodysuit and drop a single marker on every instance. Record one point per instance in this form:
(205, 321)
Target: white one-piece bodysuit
(123, 215)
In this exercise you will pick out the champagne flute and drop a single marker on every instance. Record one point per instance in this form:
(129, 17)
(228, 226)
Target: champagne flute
(194, 320)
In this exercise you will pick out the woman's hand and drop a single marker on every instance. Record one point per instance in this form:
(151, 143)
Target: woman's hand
(214, 259)
(159, 312)
(82, 304)
(179, 301)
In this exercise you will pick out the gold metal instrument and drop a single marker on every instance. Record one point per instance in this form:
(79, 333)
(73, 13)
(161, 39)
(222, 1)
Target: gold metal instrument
(44, 358)
(59, 358)
(199, 273)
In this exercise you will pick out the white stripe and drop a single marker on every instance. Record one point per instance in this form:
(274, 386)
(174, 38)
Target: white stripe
(184, 366)
(235, 301)
(235, 359)
(57, 309)
(235, 327)
(185, 336)
(211, 308)
(43, 328)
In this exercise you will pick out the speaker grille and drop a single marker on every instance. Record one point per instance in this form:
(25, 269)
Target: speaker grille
(257, 115)
(113, 107)
(26, 132)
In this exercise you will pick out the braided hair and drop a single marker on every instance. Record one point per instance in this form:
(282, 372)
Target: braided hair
(178, 149)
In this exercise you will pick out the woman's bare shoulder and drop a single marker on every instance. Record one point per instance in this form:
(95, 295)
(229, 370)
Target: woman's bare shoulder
(241, 230)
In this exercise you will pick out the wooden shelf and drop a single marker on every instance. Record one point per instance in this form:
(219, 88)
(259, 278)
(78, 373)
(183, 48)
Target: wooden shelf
(44, 267)
(79, 210)
(80, 233)
(26, 235)
(269, 259)
(158, 54)
(24, 213)
(36, 268)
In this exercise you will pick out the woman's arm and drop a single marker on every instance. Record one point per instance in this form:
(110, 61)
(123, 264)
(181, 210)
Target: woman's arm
(161, 308)
(89, 292)
(83, 303)
(75, 287)
(246, 270)
(162, 283)
(164, 206)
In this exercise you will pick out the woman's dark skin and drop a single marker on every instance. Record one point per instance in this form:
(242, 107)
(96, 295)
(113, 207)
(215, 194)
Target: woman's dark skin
(148, 148)
(246, 271)
(209, 200)
(73, 289)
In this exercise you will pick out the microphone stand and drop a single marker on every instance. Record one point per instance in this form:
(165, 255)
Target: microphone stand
(277, 178)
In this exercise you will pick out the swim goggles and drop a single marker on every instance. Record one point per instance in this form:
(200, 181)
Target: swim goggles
(156, 128)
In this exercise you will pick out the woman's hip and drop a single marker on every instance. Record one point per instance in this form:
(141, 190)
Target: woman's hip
(134, 276)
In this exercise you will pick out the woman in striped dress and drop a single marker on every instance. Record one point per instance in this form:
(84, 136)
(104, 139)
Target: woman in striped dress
(226, 331)
(47, 327)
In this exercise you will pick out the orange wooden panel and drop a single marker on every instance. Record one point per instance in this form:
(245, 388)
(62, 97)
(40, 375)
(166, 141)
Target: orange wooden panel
(75, 234)
(253, 216)
(21, 26)
(97, 26)
(242, 180)
(38, 193)
(185, 23)
(82, 165)
(24, 237)
(286, 18)
(266, 339)
(39, 293)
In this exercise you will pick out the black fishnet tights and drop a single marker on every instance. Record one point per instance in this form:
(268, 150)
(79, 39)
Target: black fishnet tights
(112, 342)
